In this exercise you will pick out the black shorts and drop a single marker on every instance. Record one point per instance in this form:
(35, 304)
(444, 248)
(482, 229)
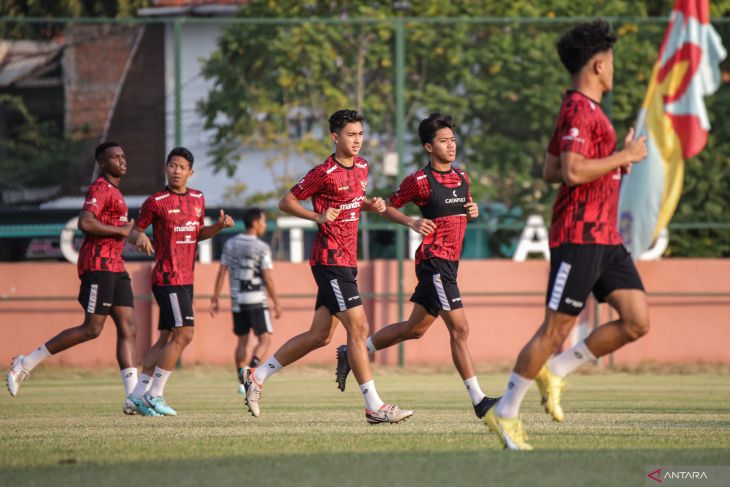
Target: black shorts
(256, 318)
(576, 270)
(437, 288)
(337, 288)
(176, 306)
(100, 290)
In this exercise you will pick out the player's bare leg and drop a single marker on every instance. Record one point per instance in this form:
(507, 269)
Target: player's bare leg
(414, 328)
(22, 365)
(179, 339)
(632, 324)
(458, 327)
(376, 411)
(263, 343)
(318, 335)
(88, 330)
(126, 328)
(240, 360)
(136, 399)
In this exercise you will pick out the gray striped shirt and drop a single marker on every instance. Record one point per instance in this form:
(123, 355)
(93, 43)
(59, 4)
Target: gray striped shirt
(246, 257)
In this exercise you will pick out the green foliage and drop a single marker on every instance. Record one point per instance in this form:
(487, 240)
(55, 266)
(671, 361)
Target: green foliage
(502, 81)
(59, 8)
(35, 154)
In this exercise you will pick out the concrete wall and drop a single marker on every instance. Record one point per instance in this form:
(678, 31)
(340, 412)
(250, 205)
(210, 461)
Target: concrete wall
(685, 329)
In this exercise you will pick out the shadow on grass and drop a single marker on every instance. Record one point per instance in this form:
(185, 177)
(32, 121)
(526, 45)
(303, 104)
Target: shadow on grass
(402, 468)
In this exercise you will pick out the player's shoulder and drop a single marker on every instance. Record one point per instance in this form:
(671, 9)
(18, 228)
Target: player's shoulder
(159, 195)
(101, 186)
(576, 103)
(195, 194)
(262, 245)
(361, 163)
(415, 177)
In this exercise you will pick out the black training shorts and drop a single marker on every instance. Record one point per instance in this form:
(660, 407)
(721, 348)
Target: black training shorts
(576, 270)
(101, 290)
(437, 288)
(176, 306)
(337, 288)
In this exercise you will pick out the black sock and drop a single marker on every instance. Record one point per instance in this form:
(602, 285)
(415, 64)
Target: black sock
(255, 361)
(240, 374)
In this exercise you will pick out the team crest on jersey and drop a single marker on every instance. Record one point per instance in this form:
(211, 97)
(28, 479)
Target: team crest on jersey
(198, 211)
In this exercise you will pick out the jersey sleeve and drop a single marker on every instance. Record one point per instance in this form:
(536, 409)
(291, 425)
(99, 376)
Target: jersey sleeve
(574, 131)
(468, 184)
(146, 213)
(312, 183)
(225, 253)
(96, 199)
(406, 192)
(201, 217)
(266, 261)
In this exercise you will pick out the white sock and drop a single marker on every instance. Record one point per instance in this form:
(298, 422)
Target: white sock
(475, 392)
(372, 399)
(129, 379)
(159, 381)
(35, 357)
(509, 406)
(571, 359)
(369, 345)
(266, 370)
(143, 385)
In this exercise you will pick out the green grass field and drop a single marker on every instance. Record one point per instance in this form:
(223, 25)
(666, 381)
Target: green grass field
(66, 428)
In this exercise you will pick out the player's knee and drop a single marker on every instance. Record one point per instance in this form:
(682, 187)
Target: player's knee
(459, 333)
(128, 329)
(636, 328)
(416, 333)
(320, 340)
(184, 335)
(554, 336)
(92, 330)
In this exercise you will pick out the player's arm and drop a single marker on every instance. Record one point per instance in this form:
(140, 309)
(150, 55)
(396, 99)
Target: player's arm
(375, 205)
(424, 226)
(209, 231)
(577, 169)
(551, 170)
(219, 278)
(268, 278)
(89, 224)
(472, 209)
(291, 205)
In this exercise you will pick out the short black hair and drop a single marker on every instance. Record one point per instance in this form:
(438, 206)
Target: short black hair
(251, 215)
(577, 46)
(340, 118)
(181, 152)
(101, 148)
(436, 121)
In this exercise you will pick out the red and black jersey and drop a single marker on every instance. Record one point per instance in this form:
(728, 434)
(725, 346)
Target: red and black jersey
(586, 213)
(176, 221)
(332, 185)
(102, 253)
(447, 240)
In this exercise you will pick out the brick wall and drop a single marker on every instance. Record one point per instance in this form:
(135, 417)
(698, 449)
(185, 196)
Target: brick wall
(93, 63)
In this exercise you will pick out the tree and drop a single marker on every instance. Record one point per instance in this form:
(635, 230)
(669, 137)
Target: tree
(35, 154)
(502, 81)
